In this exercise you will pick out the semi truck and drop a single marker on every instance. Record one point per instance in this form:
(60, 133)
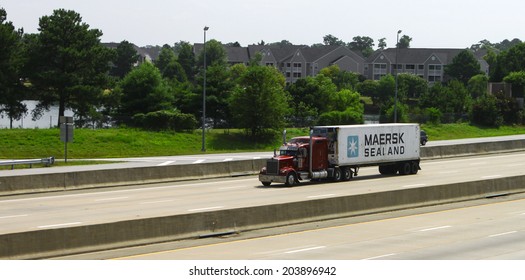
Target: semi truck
(335, 153)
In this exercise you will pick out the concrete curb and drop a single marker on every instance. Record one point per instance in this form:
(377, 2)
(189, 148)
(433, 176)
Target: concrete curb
(81, 239)
(25, 184)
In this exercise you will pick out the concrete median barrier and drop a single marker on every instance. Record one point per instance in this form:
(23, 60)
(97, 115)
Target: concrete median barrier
(25, 184)
(489, 147)
(87, 238)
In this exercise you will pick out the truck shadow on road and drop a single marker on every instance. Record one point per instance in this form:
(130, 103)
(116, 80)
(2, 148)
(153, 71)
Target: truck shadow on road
(319, 182)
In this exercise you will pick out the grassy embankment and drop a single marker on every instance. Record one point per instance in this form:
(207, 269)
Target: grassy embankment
(115, 143)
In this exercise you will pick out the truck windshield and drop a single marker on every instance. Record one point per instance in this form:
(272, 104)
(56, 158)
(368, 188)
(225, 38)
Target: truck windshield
(288, 152)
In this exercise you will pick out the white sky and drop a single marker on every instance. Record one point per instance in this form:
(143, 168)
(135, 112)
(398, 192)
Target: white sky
(430, 23)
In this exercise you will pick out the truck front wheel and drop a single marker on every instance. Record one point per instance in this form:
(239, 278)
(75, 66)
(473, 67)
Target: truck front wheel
(290, 179)
(266, 184)
(347, 173)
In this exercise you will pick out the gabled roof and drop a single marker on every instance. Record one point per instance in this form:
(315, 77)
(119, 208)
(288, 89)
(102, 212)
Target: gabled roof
(237, 54)
(314, 53)
(416, 55)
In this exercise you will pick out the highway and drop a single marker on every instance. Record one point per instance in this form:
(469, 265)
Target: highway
(494, 231)
(65, 209)
(206, 158)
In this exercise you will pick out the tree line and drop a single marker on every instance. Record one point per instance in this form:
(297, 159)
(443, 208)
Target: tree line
(65, 64)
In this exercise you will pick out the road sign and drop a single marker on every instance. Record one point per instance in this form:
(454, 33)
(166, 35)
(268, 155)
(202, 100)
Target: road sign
(66, 132)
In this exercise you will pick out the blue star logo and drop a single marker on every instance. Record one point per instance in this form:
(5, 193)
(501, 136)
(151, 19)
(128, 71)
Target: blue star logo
(352, 148)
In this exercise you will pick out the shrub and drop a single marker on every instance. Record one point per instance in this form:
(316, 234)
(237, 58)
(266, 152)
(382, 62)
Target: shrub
(338, 117)
(165, 120)
(434, 115)
(485, 111)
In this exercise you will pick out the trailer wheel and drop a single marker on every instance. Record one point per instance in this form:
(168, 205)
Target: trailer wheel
(388, 169)
(266, 184)
(405, 168)
(347, 173)
(414, 167)
(290, 179)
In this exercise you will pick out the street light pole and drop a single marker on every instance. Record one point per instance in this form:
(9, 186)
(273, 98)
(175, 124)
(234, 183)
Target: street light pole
(204, 97)
(396, 66)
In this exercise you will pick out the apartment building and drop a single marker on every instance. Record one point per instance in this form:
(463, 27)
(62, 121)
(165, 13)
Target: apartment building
(297, 61)
(428, 64)
(300, 61)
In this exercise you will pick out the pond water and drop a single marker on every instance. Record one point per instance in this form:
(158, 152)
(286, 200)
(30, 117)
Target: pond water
(48, 120)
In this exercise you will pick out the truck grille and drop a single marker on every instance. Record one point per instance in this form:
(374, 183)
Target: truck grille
(272, 167)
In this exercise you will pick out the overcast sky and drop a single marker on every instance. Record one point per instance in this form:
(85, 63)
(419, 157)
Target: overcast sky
(430, 23)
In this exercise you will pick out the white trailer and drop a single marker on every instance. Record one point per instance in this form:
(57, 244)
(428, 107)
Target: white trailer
(370, 144)
(337, 153)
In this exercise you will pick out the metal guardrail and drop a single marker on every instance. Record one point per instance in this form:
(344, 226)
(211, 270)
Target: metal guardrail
(45, 161)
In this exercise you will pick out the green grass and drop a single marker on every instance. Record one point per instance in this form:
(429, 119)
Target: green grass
(463, 130)
(125, 142)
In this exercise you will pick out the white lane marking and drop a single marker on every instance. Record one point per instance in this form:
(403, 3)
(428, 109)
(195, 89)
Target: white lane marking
(158, 201)
(256, 157)
(449, 172)
(236, 187)
(434, 228)
(166, 163)
(306, 249)
(413, 186)
(112, 198)
(228, 159)
(321, 195)
(205, 209)
(14, 216)
(515, 164)
(379, 257)
(60, 225)
(199, 161)
(504, 233)
(491, 176)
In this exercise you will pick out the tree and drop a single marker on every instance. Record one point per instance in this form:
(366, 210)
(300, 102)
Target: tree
(477, 85)
(342, 79)
(517, 79)
(281, 44)
(463, 67)
(143, 91)
(362, 44)
(386, 89)
(382, 44)
(11, 90)
(215, 54)
(126, 58)
(77, 72)
(404, 42)
(331, 40)
(512, 60)
(410, 86)
(452, 100)
(485, 111)
(186, 58)
(259, 103)
(166, 55)
(219, 86)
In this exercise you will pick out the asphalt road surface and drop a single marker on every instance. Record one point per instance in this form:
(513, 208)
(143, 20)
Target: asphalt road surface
(40, 211)
(494, 231)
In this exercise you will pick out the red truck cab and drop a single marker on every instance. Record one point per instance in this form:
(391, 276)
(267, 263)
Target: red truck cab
(293, 161)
